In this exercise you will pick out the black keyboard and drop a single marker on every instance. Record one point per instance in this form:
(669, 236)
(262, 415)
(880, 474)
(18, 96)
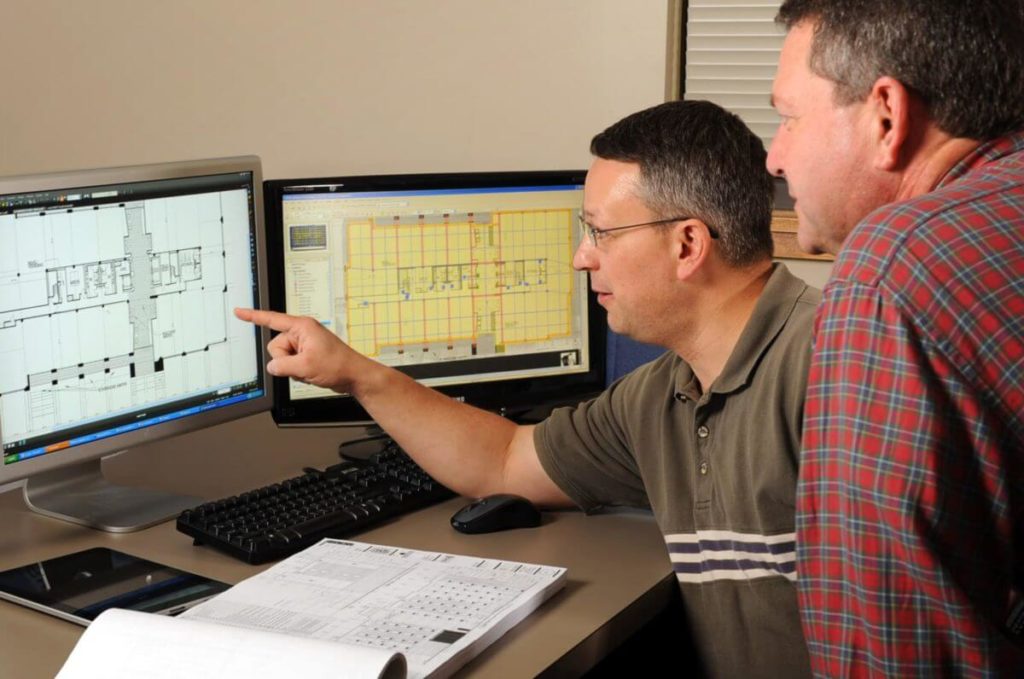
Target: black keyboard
(283, 518)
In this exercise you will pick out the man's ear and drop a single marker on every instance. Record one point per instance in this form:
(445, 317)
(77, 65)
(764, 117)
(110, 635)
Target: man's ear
(691, 241)
(889, 105)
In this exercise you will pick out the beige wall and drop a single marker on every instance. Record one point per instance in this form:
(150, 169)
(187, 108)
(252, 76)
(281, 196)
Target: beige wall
(321, 87)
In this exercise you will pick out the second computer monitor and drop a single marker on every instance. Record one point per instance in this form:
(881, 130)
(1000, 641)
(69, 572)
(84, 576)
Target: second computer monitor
(462, 281)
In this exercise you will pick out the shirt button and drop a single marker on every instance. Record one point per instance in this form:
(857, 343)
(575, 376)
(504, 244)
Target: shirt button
(703, 467)
(703, 431)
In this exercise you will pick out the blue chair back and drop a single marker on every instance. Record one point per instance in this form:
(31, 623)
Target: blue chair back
(625, 354)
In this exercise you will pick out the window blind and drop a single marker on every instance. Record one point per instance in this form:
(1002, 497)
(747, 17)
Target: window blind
(732, 50)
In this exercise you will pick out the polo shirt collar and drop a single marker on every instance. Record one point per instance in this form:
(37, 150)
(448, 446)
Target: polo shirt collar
(770, 314)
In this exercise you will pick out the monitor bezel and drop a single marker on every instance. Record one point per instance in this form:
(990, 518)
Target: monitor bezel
(510, 397)
(95, 450)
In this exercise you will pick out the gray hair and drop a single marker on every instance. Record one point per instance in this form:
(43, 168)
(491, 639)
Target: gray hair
(964, 59)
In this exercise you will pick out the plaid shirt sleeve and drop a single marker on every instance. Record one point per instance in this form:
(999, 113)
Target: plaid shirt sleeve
(910, 509)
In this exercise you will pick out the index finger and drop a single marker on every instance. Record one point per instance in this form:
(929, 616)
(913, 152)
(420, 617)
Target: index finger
(275, 320)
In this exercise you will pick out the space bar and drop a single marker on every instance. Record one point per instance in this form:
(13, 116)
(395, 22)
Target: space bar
(335, 521)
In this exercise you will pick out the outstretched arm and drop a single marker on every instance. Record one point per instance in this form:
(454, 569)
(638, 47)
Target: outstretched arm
(471, 451)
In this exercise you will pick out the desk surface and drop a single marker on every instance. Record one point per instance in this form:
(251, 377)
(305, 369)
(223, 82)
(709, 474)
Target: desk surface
(619, 573)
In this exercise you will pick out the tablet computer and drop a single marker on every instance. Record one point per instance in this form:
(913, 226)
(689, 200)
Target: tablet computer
(78, 587)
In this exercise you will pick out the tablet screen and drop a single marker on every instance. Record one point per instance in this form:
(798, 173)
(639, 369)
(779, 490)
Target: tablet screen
(80, 586)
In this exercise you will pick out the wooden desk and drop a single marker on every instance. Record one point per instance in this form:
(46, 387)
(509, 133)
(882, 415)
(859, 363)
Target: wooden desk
(619, 573)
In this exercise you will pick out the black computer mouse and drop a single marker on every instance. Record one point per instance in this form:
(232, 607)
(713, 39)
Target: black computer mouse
(494, 513)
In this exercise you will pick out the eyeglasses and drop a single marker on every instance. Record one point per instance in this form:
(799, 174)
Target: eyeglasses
(595, 234)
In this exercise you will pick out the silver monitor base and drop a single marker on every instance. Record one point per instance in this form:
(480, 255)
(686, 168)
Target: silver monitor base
(80, 494)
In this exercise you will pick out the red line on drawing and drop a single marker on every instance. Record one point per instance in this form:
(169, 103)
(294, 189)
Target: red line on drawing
(398, 282)
(447, 273)
(496, 224)
(426, 271)
(474, 332)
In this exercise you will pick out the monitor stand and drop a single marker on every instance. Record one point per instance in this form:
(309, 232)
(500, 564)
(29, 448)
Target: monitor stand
(80, 494)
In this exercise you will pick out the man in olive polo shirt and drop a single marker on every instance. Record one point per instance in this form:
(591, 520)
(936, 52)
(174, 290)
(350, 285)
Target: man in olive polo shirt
(676, 239)
(718, 466)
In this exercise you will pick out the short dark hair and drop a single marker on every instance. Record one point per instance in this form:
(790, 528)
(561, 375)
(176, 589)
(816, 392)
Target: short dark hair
(964, 59)
(699, 160)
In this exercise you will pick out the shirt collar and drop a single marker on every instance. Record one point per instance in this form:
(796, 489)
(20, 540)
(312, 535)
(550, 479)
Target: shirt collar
(985, 153)
(770, 314)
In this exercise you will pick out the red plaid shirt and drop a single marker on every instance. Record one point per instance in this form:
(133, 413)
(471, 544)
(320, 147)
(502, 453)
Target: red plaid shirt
(910, 510)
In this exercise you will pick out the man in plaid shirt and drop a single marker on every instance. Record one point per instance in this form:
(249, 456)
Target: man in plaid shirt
(902, 141)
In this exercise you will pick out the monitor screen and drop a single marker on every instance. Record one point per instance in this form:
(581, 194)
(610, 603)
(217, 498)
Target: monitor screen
(116, 327)
(462, 281)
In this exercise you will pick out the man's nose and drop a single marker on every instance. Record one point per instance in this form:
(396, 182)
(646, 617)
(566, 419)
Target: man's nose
(583, 259)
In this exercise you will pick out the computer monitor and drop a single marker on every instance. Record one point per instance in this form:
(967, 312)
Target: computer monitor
(116, 327)
(462, 281)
